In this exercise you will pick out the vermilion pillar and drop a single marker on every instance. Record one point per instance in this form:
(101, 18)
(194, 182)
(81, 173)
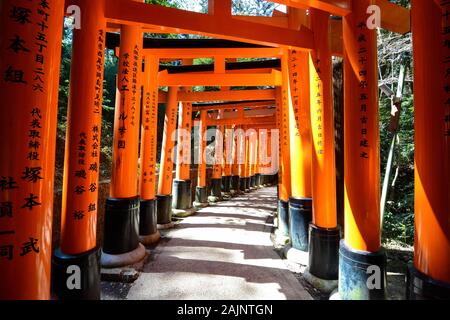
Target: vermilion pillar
(235, 163)
(253, 136)
(241, 157)
(430, 276)
(248, 153)
(182, 194)
(284, 173)
(164, 196)
(216, 180)
(259, 150)
(148, 231)
(296, 99)
(324, 234)
(82, 159)
(360, 251)
(201, 191)
(121, 232)
(227, 160)
(29, 64)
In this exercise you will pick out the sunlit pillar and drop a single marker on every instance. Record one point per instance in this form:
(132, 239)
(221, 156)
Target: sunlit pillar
(227, 160)
(201, 191)
(148, 229)
(215, 193)
(323, 232)
(121, 225)
(241, 142)
(430, 276)
(235, 181)
(164, 196)
(284, 173)
(296, 99)
(182, 193)
(360, 252)
(30, 50)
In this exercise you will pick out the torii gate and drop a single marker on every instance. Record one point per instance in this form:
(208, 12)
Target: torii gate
(30, 81)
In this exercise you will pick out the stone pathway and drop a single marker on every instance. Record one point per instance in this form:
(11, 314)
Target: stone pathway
(224, 251)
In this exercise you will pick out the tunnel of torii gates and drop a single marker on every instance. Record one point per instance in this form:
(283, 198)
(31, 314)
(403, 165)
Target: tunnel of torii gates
(294, 112)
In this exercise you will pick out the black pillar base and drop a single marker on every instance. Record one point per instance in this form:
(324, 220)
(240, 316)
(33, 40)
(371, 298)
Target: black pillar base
(324, 252)
(181, 194)
(422, 287)
(121, 225)
(235, 183)
(67, 268)
(258, 180)
(164, 209)
(247, 184)
(201, 195)
(226, 184)
(283, 217)
(355, 276)
(148, 223)
(215, 188)
(300, 215)
(242, 184)
(252, 182)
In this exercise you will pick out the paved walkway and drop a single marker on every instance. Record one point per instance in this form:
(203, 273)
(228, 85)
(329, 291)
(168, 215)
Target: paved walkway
(224, 251)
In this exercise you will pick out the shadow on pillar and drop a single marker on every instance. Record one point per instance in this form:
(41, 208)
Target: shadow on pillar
(121, 246)
(283, 217)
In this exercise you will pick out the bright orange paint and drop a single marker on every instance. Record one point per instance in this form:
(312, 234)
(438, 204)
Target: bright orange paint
(26, 189)
(183, 168)
(218, 153)
(147, 179)
(170, 124)
(362, 141)
(432, 153)
(235, 153)
(284, 184)
(296, 101)
(201, 182)
(80, 195)
(127, 114)
(322, 125)
(227, 151)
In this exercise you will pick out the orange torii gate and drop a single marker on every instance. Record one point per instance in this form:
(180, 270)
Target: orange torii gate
(28, 185)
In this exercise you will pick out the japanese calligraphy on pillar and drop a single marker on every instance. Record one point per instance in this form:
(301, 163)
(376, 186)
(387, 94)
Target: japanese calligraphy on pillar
(26, 58)
(317, 107)
(445, 7)
(363, 93)
(149, 125)
(295, 89)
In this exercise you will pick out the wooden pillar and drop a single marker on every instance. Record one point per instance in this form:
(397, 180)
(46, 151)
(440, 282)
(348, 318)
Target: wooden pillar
(201, 191)
(216, 180)
(284, 173)
(241, 157)
(235, 181)
(148, 231)
(430, 276)
(82, 158)
(361, 247)
(30, 50)
(227, 160)
(296, 99)
(324, 234)
(121, 230)
(164, 196)
(182, 194)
